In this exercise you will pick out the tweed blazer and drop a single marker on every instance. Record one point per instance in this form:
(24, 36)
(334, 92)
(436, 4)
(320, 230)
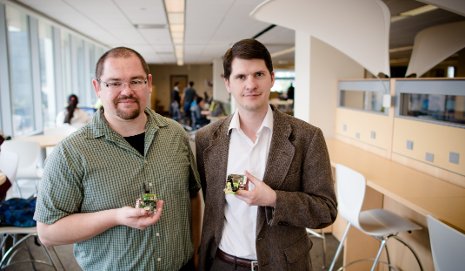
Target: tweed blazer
(298, 169)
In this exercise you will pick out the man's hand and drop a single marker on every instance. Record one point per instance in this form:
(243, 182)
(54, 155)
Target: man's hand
(139, 218)
(261, 195)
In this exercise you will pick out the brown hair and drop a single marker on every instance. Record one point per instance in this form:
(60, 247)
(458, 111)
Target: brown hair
(246, 49)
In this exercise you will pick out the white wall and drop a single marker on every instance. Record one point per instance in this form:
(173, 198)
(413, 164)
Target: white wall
(318, 69)
(219, 89)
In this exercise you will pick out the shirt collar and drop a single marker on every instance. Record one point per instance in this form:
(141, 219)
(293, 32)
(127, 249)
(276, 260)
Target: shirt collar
(267, 121)
(99, 126)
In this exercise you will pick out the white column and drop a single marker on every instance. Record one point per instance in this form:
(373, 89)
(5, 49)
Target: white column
(219, 90)
(302, 76)
(318, 68)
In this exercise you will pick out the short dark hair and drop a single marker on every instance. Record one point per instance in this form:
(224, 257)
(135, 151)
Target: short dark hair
(246, 49)
(119, 52)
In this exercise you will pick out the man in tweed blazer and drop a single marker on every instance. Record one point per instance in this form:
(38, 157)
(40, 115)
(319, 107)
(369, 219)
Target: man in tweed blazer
(286, 162)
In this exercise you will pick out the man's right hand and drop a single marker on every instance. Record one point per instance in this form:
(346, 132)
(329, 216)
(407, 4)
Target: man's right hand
(139, 218)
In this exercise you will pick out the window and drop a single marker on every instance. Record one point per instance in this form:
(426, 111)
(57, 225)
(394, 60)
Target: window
(80, 84)
(47, 78)
(282, 81)
(20, 71)
(66, 66)
(42, 63)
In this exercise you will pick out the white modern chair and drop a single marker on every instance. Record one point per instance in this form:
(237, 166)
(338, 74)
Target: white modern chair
(13, 259)
(29, 155)
(319, 233)
(9, 164)
(447, 246)
(378, 223)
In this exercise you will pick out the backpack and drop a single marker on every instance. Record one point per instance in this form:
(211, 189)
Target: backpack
(18, 212)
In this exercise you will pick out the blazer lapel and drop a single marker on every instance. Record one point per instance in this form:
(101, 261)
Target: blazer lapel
(281, 152)
(279, 159)
(217, 154)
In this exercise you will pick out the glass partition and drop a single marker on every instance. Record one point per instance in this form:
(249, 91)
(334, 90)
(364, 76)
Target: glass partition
(433, 100)
(366, 95)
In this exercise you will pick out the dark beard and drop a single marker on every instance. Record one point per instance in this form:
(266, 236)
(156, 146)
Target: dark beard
(128, 115)
(124, 114)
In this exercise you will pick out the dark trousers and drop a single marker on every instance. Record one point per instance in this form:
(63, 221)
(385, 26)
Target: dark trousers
(189, 266)
(220, 265)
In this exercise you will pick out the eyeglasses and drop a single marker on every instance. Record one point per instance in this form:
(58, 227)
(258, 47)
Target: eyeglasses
(135, 84)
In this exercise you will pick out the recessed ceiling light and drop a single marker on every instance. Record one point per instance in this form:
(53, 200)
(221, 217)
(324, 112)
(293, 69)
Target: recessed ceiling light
(150, 26)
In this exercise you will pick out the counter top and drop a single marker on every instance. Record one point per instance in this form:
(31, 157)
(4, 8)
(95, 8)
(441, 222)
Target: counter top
(416, 190)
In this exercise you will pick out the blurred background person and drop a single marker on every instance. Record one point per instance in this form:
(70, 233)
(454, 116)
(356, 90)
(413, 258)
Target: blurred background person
(189, 95)
(72, 115)
(5, 184)
(290, 92)
(198, 118)
(175, 110)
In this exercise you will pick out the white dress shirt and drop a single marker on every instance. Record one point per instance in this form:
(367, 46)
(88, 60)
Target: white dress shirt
(239, 230)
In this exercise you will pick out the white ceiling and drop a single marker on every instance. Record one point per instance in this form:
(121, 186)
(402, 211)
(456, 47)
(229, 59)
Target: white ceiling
(212, 26)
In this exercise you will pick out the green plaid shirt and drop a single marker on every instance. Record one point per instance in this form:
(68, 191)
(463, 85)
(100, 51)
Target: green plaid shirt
(96, 169)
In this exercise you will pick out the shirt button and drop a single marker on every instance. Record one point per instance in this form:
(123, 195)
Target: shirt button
(150, 184)
(159, 259)
(157, 234)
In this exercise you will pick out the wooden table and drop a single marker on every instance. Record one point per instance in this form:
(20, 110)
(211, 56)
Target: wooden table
(45, 140)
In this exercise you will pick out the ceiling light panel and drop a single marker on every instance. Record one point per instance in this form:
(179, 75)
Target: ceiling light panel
(175, 13)
(176, 18)
(175, 6)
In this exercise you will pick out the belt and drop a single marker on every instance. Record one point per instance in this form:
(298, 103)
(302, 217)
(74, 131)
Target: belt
(253, 265)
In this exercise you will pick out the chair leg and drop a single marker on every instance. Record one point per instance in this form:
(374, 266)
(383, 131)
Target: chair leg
(339, 247)
(378, 255)
(9, 255)
(387, 257)
(411, 249)
(323, 237)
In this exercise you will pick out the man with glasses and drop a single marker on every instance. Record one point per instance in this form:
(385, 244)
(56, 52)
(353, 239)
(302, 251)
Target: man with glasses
(94, 177)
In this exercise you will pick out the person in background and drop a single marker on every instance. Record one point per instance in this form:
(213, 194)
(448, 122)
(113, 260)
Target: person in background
(72, 115)
(5, 183)
(290, 92)
(189, 96)
(175, 110)
(93, 179)
(286, 164)
(198, 119)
